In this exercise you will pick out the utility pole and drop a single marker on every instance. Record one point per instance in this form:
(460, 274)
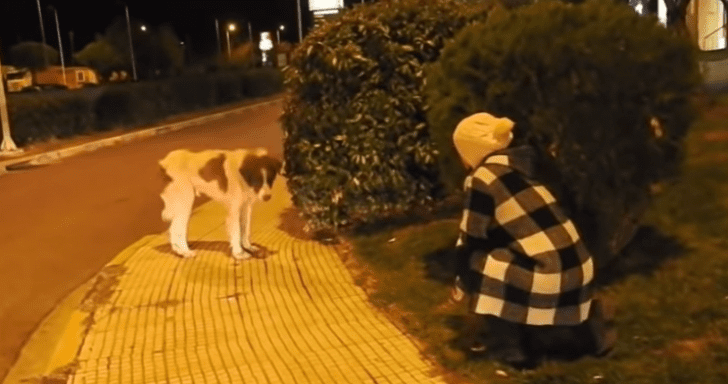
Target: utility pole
(70, 37)
(42, 34)
(131, 45)
(60, 46)
(300, 26)
(217, 34)
(7, 147)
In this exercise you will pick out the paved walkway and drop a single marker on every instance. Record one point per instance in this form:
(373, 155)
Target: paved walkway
(293, 317)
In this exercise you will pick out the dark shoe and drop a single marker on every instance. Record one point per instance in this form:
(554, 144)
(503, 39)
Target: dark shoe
(603, 333)
(512, 356)
(477, 347)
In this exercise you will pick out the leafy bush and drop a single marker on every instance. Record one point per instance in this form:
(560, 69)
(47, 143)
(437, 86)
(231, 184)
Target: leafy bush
(114, 107)
(42, 116)
(262, 82)
(191, 92)
(357, 146)
(601, 92)
(229, 87)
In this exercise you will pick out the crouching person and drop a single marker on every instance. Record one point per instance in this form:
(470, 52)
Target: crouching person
(522, 261)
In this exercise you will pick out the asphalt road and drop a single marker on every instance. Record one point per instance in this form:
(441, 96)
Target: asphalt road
(61, 223)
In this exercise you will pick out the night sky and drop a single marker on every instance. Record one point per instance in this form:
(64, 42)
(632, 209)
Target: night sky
(193, 20)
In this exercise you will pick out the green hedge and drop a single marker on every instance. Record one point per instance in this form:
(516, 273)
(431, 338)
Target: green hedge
(44, 115)
(583, 84)
(356, 146)
(39, 116)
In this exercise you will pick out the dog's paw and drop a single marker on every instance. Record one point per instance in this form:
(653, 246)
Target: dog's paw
(252, 248)
(242, 255)
(184, 252)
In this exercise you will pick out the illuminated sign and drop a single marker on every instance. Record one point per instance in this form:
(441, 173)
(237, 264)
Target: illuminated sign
(320, 5)
(265, 42)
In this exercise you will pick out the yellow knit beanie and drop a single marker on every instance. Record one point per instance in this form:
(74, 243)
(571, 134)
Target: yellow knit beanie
(481, 134)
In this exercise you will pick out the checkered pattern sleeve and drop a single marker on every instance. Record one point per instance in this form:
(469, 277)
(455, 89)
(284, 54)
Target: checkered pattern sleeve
(478, 212)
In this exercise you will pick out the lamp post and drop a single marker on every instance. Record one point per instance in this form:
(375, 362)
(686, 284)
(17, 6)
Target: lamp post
(250, 32)
(131, 45)
(70, 38)
(278, 32)
(217, 35)
(300, 26)
(7, 147)
(230, 28)
(42, 34)
(60, 45)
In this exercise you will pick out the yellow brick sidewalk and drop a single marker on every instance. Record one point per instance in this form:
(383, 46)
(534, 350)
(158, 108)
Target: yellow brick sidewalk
(294, 317)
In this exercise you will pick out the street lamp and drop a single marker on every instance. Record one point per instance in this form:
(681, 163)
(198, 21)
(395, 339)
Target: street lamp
(278, 32)
(143, 28)
(230, 28)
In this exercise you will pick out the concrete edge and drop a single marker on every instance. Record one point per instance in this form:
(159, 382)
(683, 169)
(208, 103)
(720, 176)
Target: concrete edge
(55, 155)
(56, 342)
(52, 348)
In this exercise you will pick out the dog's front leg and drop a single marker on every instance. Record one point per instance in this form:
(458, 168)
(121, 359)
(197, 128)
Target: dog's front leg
(246, 225)
(233, 227)
(178, 200)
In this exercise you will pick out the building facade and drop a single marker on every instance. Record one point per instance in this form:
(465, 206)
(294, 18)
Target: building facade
(706, 21)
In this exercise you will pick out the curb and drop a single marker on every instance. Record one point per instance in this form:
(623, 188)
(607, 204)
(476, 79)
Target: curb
(46, 356)
(56, 155)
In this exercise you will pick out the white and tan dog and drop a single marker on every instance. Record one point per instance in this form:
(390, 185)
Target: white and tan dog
(236, 178)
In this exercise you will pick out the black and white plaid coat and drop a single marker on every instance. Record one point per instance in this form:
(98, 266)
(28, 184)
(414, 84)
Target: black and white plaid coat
(522, 258)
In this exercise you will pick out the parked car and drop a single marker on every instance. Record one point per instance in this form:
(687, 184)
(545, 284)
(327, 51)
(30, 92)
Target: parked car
(19, 81)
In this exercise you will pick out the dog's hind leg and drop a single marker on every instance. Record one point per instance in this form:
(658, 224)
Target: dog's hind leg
(178, 199)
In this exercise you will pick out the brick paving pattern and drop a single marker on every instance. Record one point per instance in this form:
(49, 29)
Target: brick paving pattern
(293, 317)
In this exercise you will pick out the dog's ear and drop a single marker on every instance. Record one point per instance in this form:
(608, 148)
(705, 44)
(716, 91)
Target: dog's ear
(273, 168)
(251, 172)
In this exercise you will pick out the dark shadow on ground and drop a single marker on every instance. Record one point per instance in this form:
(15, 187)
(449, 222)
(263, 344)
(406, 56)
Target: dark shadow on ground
(215, 246)
(293, 224)
(649, 249)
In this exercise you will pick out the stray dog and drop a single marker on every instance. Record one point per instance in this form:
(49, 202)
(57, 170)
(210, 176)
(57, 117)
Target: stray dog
(235, 178)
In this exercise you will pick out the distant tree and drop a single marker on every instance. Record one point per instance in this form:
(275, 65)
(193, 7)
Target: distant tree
(29, 54)
(156, 50)
(102, 56)
(172, 50)
(242, 56)
(676, 10)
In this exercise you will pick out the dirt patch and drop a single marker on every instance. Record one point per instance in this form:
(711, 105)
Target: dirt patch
(691, 349)
(292, 224)
(103, 288)
(58, 376)
(164, 304)
(716, 136)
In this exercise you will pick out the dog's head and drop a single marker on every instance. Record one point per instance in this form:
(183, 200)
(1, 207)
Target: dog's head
(259, 171)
